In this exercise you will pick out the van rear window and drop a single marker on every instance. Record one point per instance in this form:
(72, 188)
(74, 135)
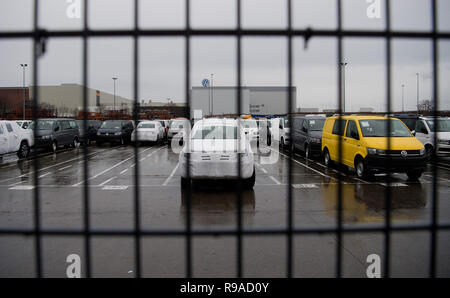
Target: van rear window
(339, 127)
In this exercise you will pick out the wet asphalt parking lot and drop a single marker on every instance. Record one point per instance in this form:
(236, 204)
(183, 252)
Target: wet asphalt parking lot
(163, 206)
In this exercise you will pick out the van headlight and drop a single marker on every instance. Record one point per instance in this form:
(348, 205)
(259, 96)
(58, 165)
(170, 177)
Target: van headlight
(422, 151)
(48, 137)
(317, 141)
(374, 151)
(118, 133)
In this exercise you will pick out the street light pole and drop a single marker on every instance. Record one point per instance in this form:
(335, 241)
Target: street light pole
(23, 84)
(403, 98)
(343, 64)
(417, 95)
(114, 79)
(212, 94)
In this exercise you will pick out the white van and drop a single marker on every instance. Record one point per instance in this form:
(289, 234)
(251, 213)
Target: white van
(13, 138)
(279, 129)
(425, 128)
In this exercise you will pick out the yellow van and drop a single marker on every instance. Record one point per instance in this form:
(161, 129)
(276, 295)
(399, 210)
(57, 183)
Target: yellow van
(365, 145)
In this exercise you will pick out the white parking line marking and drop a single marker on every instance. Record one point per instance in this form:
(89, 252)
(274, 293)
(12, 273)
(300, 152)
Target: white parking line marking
(110, 168)
(63, 168)
(142, 159)
(123, 171)
(22, 187)
(115, 187)
(43, 175)
(275, 180)
(171, 175)
(20, 182)
(52, 166)
(307, 185)
(308, 167)
(319, 164)
(394, 184)
(443, 179)
(110, 179)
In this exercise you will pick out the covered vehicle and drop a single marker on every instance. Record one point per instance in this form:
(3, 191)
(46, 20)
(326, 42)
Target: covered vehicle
(115, 131)
(148, 131)
(52, 133)
(250, 127)
(14, 138)
(281, 130)
(214, 149)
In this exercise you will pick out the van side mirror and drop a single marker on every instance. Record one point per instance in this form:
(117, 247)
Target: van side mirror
(355, 135)
(305, 129)
(413, 133)
(56, 129)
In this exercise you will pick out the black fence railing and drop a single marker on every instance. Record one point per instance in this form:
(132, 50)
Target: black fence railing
(40, 37)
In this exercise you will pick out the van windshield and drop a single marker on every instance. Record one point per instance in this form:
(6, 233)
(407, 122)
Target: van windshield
(316, 124)
(443, 125)
(249, 124)
(379, 128)
(146, 125)
(112, 124)
(43, 125)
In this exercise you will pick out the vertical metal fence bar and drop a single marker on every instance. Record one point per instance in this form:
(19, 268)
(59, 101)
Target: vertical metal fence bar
(86, 206)
(239, 189)
(137, 219)
(435, 200)
(36, 201)
(387, 233)
(339, 190)
(188, 173)
(289, 253)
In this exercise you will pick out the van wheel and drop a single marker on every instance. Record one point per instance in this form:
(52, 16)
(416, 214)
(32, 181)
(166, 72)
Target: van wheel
(249, 183)
(54, 147)
(414, 175)
(361, 169)
(429, 152)
(306, 151)
(75, 143)
(24, 150)
(327, 158)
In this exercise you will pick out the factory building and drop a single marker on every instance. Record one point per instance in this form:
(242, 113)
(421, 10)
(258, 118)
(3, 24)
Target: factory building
(254, 100)
(67, 99)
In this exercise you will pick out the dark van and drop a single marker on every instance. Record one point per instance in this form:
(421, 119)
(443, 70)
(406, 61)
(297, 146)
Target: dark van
(115, 131)
(90, 134)
(307, 134)
(54, 133)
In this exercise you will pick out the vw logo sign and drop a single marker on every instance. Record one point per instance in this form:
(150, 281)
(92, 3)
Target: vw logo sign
(404, 153)
(205, 83)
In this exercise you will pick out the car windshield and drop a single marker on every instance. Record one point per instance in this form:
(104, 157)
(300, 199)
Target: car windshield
(112, 124)
(443, 125)
(177, 124)
(316, 124)
(249, 124)
(379, 128)
(208, 132)
(146, 125)
(43, 125)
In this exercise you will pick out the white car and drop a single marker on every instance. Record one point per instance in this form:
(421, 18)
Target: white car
(148, 131)
(24, 123)
(280, 129)
(177, 126)
(14, 138)
(250, 127)
(214, 148)
(425, 128)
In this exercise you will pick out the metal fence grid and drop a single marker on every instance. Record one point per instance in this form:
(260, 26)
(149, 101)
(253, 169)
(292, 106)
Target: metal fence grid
(40, 36)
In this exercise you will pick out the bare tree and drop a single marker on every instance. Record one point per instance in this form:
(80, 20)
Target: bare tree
(425, 105)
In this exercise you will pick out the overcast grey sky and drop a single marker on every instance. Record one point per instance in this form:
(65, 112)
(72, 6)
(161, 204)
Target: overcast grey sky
(264, 60)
